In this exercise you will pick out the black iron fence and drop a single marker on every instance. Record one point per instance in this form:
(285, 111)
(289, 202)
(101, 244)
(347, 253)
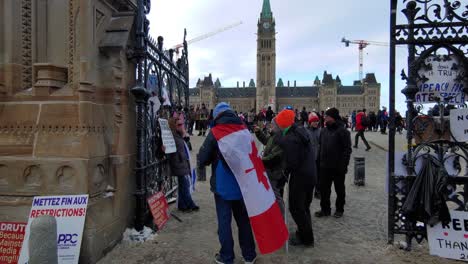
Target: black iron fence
(432, 30)
(161, 88)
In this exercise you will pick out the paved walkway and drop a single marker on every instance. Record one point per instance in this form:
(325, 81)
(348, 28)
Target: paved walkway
(359, 237)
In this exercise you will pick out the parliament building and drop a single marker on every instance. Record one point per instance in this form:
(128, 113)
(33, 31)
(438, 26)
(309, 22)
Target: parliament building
(266, 91)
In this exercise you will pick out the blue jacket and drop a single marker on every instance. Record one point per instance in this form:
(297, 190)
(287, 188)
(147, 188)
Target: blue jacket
(222, 181)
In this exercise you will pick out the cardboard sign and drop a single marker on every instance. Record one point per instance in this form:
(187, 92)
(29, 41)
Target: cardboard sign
(159, 209)
(11, 239)
(459, 124)
(167, 137)
(443, 80)
(70, 213)
(450, 241)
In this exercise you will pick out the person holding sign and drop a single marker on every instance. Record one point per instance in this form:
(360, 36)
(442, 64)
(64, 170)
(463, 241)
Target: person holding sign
(180, 166)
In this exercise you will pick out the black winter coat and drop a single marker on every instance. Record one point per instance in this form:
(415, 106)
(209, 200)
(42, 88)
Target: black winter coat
(180, 165)
(335, 147)
(300, 155)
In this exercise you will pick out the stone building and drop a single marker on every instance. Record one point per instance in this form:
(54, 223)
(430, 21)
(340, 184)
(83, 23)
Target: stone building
(66, 115)
(322, 94)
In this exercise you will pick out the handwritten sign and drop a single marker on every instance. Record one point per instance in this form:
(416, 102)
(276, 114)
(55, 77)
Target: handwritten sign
(159, 209)
(459, 124)
(11, 239)
(167, 137)
(443, 80)
(70, 213)
(450, 241)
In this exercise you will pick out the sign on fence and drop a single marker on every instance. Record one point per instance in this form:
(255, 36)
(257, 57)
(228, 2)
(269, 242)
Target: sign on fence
(443, 79)
(11, 239)
(450, 241)
(159, 209)
(70, 213)
(459, 124)
(167, 137)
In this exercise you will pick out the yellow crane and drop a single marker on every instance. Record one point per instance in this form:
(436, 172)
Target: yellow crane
(205, 36)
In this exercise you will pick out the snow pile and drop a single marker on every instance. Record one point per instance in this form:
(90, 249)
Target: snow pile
(134, 236)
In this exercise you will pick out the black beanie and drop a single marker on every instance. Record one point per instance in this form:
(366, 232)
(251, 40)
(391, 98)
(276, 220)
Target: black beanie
(333, 113)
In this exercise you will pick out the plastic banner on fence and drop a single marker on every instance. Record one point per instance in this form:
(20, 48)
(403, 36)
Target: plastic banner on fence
(159, 209)
(450, 241)
(70, 213)
(11, 239)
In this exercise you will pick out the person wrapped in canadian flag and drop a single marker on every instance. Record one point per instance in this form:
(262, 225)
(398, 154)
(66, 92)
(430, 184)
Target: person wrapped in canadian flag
(241, 188)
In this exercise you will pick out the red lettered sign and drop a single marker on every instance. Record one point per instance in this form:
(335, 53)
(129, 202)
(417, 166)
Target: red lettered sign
(159, 209)
(11, 239)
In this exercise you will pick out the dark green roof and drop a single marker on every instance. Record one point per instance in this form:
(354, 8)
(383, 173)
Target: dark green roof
(266, 10)
(280, 83)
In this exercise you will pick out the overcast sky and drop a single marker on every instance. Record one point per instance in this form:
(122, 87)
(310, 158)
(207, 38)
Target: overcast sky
(308, 36)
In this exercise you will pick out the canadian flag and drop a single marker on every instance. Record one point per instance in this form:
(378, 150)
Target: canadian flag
(237, 146)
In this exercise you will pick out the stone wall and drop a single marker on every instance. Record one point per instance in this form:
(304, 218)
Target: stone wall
(66, 115)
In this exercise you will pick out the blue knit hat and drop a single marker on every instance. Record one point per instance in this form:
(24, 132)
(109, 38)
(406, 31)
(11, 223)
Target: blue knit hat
(221, 107)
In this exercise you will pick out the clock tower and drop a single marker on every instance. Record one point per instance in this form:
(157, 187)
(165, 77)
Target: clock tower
(266, 59)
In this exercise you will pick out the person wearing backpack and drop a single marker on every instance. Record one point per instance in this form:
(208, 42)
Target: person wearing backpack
(362, 121)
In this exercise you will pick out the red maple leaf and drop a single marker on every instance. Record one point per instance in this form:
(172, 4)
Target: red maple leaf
(258, 167)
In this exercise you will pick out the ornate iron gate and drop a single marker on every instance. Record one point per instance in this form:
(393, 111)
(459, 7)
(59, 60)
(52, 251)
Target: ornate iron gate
(435, 29)
(160, 79)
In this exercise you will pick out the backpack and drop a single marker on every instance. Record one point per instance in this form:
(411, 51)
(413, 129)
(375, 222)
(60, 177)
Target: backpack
(365, 121)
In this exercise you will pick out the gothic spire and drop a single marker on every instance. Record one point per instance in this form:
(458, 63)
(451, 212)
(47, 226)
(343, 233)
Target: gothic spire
(266, 10)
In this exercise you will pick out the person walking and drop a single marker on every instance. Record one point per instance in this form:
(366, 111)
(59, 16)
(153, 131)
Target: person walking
(273, 160)
(300, 166)
(335, 152)
(362, 121)
(179, 163)
(192, 117)
(227, 193)
(315, 130)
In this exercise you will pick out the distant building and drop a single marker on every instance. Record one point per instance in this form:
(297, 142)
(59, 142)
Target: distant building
(325, 93)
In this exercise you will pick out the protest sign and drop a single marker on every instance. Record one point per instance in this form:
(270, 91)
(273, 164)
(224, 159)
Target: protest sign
(159, 209)
(11, 239)
(451, 240)
(442, 80)
(459, 124)
(70, 213)
(167, 137)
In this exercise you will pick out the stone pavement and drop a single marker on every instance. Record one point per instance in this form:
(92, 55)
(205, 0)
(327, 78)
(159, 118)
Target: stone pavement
(359, 237)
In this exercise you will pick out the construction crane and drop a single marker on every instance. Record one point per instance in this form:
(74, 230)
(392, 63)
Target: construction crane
(205, 36)
(362, 44)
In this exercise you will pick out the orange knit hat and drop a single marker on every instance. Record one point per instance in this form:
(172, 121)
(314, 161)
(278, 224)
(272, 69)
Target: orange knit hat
(285, 118)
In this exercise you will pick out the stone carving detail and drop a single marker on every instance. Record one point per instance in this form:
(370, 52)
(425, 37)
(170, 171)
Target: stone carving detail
(71, 39)
(65, 176)
(3, 174)
(98, 176)
(32, 176)
(99, 17)
(26, 47)
(28, 131)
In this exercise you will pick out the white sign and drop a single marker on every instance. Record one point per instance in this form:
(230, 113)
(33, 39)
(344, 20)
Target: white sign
(443, 80)
(167, 137)
(459, 124)
(450, 241)
(70, 213)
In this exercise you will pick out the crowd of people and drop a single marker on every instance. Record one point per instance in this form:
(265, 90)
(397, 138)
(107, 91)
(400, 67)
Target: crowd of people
(308, 151)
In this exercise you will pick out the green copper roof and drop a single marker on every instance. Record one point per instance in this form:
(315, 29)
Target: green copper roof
(266, 10)
(280, 83)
